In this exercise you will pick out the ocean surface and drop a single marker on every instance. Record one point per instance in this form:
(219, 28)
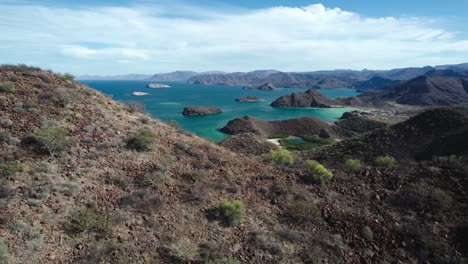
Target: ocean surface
(167, 104)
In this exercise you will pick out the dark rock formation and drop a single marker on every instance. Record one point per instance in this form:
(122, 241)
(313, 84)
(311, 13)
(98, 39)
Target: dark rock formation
(311, 98)
(358, 122)
(200, 110)
(249, 99)
(248, 143)
(263, 87)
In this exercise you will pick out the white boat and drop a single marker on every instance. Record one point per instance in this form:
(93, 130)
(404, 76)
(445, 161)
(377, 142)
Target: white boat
(157, 85)
(139, 93)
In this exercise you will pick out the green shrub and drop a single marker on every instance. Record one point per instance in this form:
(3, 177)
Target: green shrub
(281, 157)
(318, 173)
(225, 260)
(231, 213)
(353, 164)
(52, 136)
(7, 87)
(307, 143)
(386, 161)
(9, 168)
(85, 220)
(143, 140)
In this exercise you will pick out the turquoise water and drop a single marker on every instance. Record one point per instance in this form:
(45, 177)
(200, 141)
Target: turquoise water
(167, 104)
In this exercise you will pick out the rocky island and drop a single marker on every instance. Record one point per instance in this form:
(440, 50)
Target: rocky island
(157, 85)
(201, 111)
(249, 99)
(263, 87)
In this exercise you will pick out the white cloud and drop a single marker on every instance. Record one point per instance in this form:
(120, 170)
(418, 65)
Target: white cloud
(157, 39)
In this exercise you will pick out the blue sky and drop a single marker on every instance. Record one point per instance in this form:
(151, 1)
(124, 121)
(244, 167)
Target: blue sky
(119, 37)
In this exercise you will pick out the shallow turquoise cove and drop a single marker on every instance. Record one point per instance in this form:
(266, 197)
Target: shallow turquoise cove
(167, 104)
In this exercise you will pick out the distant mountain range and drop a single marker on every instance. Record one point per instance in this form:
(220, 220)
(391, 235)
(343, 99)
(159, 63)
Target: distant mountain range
(365, 79)
(436, 87)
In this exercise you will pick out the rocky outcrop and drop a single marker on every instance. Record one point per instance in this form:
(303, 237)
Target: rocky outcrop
(201, 110)
(248, 99)
(358, 122)
(248, 143)
(263, 87)
(311, 98)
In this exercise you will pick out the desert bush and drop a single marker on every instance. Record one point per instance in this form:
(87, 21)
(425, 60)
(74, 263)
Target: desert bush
(152, 178)
(18, 68)
(281, 157)
(422, 196)
(173, 123)
(5, 192)
(318, 174)
(7, 87)
(134, 106)
(386, 161)
(86, 219)
(4, 256)
(353, 164)
(52, 136)
(142, 140)
(303, 212)
(67, 77)
(5, 121)
(142, 201)
(263, 242)
(60, 97)
(231, 212)
(8, 169)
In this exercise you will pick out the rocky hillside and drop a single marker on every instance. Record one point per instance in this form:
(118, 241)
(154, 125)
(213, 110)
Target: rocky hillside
(429, 90)
(85, 179)
(437, 132)
(376, 82)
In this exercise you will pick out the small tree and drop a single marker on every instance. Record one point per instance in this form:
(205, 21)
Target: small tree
(52, 136)
(231, 213)
(281, 157)
(318, 173)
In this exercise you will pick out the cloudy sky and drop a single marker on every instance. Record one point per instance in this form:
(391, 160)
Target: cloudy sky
(119, 37)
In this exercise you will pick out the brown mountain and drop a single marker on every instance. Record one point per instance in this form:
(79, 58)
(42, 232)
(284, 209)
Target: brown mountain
(429, 90)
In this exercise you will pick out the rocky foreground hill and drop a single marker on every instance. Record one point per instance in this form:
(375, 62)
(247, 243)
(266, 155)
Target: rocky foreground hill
(85, 179)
